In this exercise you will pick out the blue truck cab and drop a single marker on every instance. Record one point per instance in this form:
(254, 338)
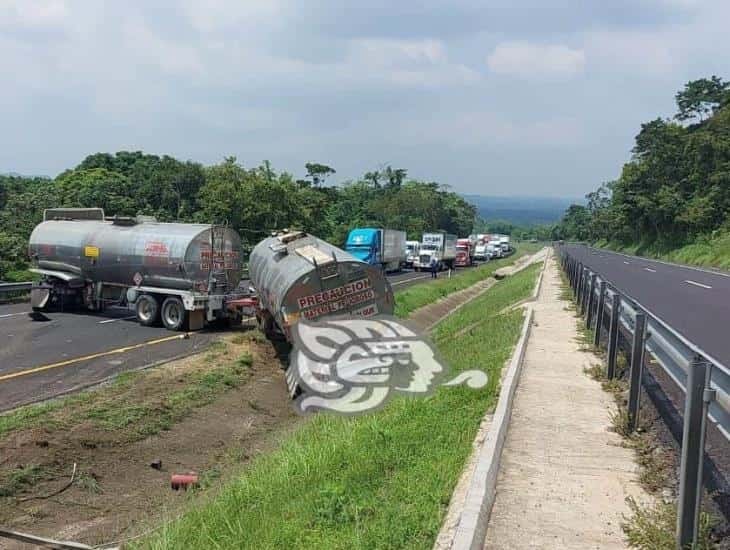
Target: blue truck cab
(365, 245)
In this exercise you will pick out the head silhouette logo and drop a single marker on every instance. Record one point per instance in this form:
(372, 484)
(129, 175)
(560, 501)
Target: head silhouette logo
(354, 365)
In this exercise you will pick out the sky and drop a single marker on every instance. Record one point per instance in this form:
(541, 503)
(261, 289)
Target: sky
(493, 97)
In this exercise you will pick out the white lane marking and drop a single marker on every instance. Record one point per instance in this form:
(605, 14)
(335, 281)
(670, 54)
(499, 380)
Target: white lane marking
(134, 317)
(6, 315)
(697, 284)
(627, 263)
(650, 270)
(117, 319)
(409, 280)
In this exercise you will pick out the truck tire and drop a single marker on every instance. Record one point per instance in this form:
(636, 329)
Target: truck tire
(173, 313)
(148, 310)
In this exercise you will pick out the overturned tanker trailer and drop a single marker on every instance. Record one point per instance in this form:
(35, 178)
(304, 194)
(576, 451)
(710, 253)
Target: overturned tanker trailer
(177, 273)
(298, 276)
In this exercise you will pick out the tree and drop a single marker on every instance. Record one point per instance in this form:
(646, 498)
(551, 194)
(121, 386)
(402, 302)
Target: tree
(701, 97)
(318, 172)
(373, 178)
(394, 177)
(97, 187)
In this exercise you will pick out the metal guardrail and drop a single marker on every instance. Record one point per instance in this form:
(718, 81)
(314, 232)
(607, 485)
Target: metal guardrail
(15, 287)
(704, 381)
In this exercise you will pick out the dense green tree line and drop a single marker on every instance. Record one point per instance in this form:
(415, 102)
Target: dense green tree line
(676, 187)
(254, 200)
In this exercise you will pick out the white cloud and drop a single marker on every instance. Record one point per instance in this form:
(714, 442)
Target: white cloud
(26, 13)
(643, 53)
(528, 60)
(420, 63)
(216, 15)
(151, 49)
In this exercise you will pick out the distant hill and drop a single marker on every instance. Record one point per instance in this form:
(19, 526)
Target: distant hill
(17, 175)
(522, 210)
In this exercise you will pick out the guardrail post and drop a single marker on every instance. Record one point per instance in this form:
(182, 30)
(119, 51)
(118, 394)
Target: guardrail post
(581, 289)
(637, 364)
(613, 336)
(576, 287)
(599, 313)
(698, 395)
(584, 290)
(589, 308)
(571, 272)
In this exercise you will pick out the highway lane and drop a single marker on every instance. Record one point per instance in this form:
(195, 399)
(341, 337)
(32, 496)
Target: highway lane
(693, 301)
(66, 351)
(56, 353)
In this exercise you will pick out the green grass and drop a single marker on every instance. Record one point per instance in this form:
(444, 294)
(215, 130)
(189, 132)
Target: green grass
(651, 527)
(382, 480)
(422, 294)
(149, 418)
(21, 478)
(119, 407)
(706, 251)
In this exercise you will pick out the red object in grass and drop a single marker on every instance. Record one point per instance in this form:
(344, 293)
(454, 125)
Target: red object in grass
(183, 481)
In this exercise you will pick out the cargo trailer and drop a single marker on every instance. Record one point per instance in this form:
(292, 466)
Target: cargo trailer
(383, 247)
(440, 246)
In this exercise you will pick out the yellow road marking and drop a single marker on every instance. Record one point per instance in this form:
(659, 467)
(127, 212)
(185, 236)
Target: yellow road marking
(92, 356)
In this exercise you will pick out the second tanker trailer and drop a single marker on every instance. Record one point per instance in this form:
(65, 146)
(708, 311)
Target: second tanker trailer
(298, 276)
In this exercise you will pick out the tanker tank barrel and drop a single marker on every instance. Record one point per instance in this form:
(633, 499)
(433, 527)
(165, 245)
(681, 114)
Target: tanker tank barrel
(299, 276)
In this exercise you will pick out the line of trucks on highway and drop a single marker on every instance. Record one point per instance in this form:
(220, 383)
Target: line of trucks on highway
(185, 276)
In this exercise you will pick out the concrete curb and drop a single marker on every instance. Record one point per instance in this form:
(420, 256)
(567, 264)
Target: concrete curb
(538, 284)
(477, 506)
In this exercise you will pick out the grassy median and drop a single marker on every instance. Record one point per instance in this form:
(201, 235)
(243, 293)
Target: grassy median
(382, 480)
(420, 295)
(142, 403)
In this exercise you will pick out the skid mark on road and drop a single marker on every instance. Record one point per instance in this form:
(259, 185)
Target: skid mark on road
(5, 316)
(118, 319)
(92, 356)
(695, 283)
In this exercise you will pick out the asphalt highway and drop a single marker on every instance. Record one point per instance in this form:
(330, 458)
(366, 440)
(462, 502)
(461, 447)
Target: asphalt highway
(43, 356)
(693, 301)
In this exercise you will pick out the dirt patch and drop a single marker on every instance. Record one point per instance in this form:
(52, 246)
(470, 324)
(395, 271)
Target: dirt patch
(116, 491)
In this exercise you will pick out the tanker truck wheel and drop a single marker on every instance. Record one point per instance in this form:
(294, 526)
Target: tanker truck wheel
(148, 310)
(173, 313)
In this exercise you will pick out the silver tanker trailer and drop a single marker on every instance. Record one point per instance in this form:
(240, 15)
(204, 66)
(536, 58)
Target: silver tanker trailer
(169, 272)
(297, 275)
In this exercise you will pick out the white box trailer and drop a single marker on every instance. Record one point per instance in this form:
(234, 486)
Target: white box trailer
(440, 245)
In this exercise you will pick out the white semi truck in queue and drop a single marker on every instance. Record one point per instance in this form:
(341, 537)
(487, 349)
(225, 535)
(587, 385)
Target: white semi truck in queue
(440, 246)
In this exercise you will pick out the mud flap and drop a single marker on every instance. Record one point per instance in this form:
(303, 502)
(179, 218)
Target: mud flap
(39, 297)
(196, 319)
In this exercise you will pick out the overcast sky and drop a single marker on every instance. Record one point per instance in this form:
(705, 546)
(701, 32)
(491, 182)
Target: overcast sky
(507, 97)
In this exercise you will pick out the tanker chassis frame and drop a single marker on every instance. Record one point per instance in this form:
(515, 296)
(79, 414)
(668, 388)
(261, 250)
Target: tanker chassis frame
(174, 308)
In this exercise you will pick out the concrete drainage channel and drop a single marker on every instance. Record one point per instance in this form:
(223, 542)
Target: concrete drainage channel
(467, 519)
